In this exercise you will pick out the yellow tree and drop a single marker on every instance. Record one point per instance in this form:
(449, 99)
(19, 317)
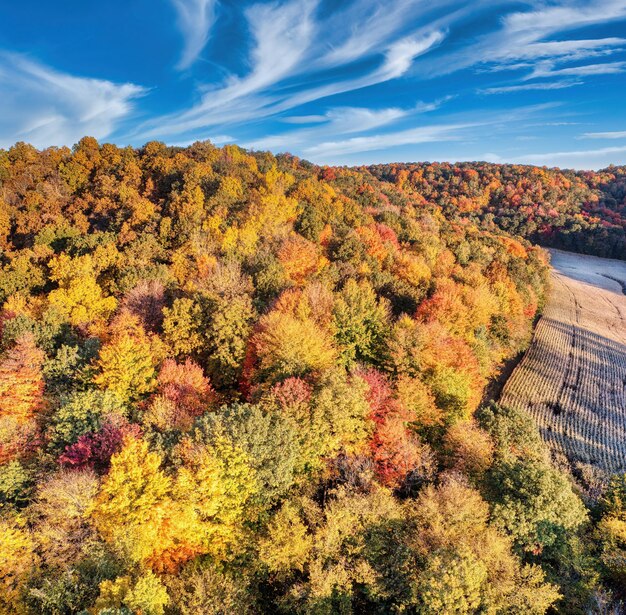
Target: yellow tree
(17, 558)
(214, 486)
(78, 297)
(127, 364)
(132, 509)
(145, 594)
(286, 346)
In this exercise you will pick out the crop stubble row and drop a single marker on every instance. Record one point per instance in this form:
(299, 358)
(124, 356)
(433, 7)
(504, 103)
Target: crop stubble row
(572, 378)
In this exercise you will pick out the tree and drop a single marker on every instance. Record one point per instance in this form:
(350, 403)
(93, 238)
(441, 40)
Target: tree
(214, 488)
(94, 449)
(63, 534)
(187, 388)
(21, 380)
(452, 584)
(284, 346)
(17, 558)
(396, 451)
(453, 393)
(181, 326)
(468, 449)
(16, 484)
(513, 431)
(468, 563)
(146, 300)
(360, 323)
(78, 296)
(340, 416)
(132, 509)
(209, 590)
(287, 544)
(534, 503)
(349, 568)
(612, 529)
(300, 259)
(145, 594)
(126, 366)
(268, 439)
(81, 413)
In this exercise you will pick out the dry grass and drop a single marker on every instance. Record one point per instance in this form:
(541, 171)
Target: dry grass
(572, 379)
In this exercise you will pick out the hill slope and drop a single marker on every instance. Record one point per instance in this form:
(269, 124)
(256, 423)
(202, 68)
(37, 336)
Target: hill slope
(234, 382)
(579, 211)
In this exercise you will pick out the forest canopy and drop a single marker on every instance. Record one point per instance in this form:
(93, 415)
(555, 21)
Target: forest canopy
(232, 382)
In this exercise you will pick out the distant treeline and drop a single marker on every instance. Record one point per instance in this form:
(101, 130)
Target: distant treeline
(580, 211)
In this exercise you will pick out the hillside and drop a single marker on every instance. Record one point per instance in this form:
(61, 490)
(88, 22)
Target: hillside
(238, 383)
(579, 211)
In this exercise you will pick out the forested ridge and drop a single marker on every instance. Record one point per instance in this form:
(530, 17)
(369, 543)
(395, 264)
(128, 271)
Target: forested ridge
(580, 211)
(232, 382)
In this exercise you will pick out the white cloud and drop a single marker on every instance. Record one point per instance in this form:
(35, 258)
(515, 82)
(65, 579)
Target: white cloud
(351, 119)
(328, 150)
(572, 49)
(46, 107)
(411, 136)
(195, 19)
(566, 16)
(289, 48)
(552, 85)
(400, 55)
(281, 33)
(580, 159)
(397, 60)
(371, 24)
(522, 41)
(605, 135)
(608, 68)
(339, 121)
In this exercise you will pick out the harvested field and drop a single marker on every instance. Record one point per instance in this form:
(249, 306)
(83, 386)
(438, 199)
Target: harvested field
(572, 379)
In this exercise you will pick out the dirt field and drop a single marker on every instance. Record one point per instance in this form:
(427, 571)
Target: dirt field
(572, 379)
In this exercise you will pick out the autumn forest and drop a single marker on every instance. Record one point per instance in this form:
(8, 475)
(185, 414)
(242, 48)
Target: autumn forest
(233, 382)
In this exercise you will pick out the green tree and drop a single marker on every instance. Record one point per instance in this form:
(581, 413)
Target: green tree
(360, 323)
(534, 503)
(267, 438)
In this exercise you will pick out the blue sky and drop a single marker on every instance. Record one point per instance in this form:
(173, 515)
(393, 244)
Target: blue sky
(335, 82)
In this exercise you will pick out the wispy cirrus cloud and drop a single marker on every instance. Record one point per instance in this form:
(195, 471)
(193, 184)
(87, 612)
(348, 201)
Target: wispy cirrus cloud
(338, 121)
(195, 19)
(289, 43)
(587, 159)
(619, 134)
(568, 15)
(524, 87)
(466, 128)
(607, 68)
(411, 136)
(47, 107)
(373, 24)
(397, 59)
(525, 40)
(280, 33)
